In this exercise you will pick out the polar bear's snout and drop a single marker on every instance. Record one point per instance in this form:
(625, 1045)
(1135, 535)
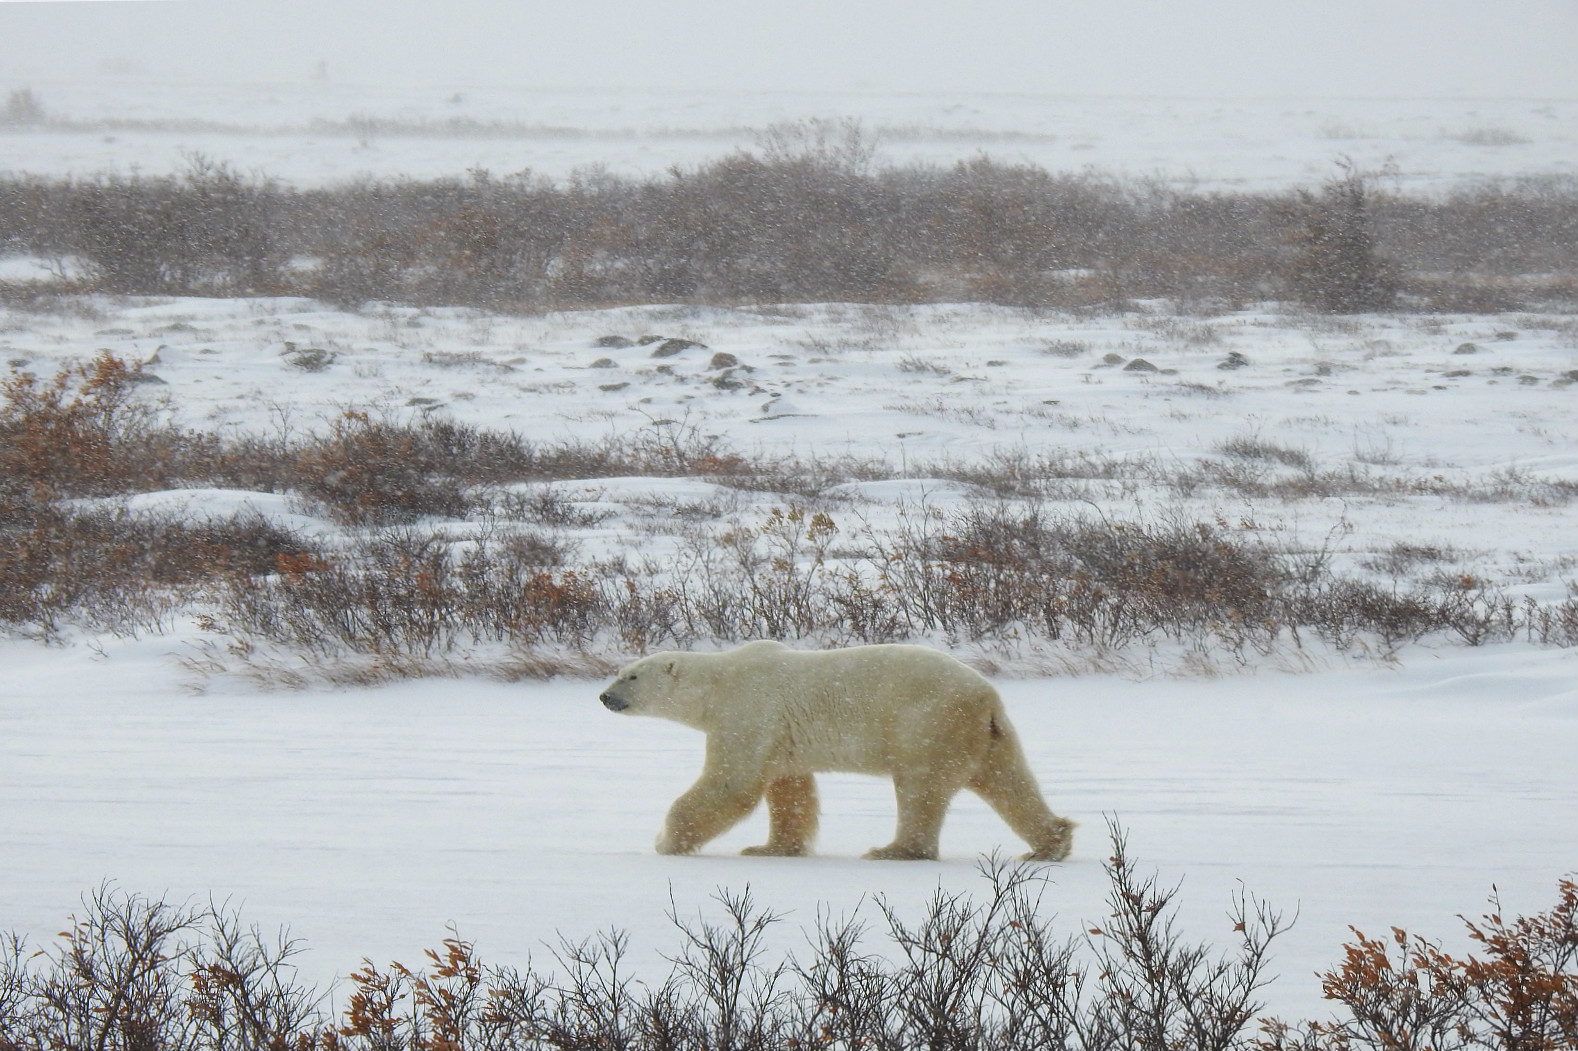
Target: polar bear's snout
(612, 703)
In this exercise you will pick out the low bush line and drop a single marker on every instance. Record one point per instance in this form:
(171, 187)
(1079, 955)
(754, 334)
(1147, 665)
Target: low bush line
(806, 217)
(137, 974)
(1014, 569)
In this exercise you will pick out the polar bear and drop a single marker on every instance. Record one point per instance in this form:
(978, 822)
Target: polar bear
(774, 717)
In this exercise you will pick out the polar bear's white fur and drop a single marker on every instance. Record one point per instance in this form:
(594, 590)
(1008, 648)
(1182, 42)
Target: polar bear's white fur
(774, 717)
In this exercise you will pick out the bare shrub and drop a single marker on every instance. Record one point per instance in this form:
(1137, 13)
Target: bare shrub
(1555, 623)
(143, 975)
(993, 569)
(209, 230)
(807, 216)
(988, 572)
(83, 433)
(119, 572)
(1253, 447)
(990, 973)
(384, 472)
(405, 593)
(767, 581)
(22, 108)
(370, 472)
(550, 507)
(1336, 267)
(1043, 474)
(1476, 236)
(308, 359)
(138, 974)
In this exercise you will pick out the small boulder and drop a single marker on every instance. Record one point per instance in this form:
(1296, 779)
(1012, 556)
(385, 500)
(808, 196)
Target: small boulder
(723, 360)
(1140, 365)
(1234, 360)
(669, 347)
(613, 342)
(307, 359)
(778, 405)
(1467, 348)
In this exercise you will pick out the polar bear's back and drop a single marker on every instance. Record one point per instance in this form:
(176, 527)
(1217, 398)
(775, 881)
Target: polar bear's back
(860, 709)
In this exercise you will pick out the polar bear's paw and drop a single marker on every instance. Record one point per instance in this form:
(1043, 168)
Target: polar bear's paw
(670, 844)
(897, 852)
(777, 850)
(1057, 845)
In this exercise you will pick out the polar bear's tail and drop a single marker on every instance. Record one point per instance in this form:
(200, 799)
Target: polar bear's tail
(1006, 783)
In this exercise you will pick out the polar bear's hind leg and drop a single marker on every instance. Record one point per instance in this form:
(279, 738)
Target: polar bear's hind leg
(1006, 783)
(791, 818)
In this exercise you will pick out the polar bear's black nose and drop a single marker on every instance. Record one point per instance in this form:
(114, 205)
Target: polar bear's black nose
(612, 703)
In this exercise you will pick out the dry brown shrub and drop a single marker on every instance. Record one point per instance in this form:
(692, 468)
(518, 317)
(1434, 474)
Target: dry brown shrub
(120, 572)
(796, 221)
(1406, 993)
(84, 433)
(368, 472)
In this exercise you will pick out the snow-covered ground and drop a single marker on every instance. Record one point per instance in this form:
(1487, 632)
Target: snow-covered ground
(315, 133)
(1366, 793)
(368, 820)
(1462, 429)
(1389, 789)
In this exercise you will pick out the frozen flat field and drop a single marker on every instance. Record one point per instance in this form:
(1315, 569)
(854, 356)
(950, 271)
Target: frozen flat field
(320, 133)
(367, 821)
(1364, 788)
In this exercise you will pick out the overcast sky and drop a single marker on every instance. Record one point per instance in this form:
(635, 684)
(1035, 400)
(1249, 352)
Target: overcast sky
(1248, 48)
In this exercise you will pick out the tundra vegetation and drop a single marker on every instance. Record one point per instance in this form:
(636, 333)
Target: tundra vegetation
(970, 973)
(1028, 568)
(394, 593)
(807, 216)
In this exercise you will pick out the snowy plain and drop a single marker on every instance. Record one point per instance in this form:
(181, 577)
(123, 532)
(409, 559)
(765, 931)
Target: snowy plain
(315, 133)
(1365, 789)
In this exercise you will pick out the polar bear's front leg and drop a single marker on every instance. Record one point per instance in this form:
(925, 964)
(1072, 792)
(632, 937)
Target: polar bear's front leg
(704, 812)
(791, 818)
(729, 788)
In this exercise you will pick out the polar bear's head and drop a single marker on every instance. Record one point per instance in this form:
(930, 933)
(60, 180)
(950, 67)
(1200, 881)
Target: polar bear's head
(655, 685)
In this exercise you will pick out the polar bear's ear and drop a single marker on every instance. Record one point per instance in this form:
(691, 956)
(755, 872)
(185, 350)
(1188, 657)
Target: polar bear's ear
(668, 668)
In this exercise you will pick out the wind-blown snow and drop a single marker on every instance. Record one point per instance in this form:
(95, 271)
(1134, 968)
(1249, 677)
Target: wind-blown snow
(314, 134)
(1374, 794)
(368, 819)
